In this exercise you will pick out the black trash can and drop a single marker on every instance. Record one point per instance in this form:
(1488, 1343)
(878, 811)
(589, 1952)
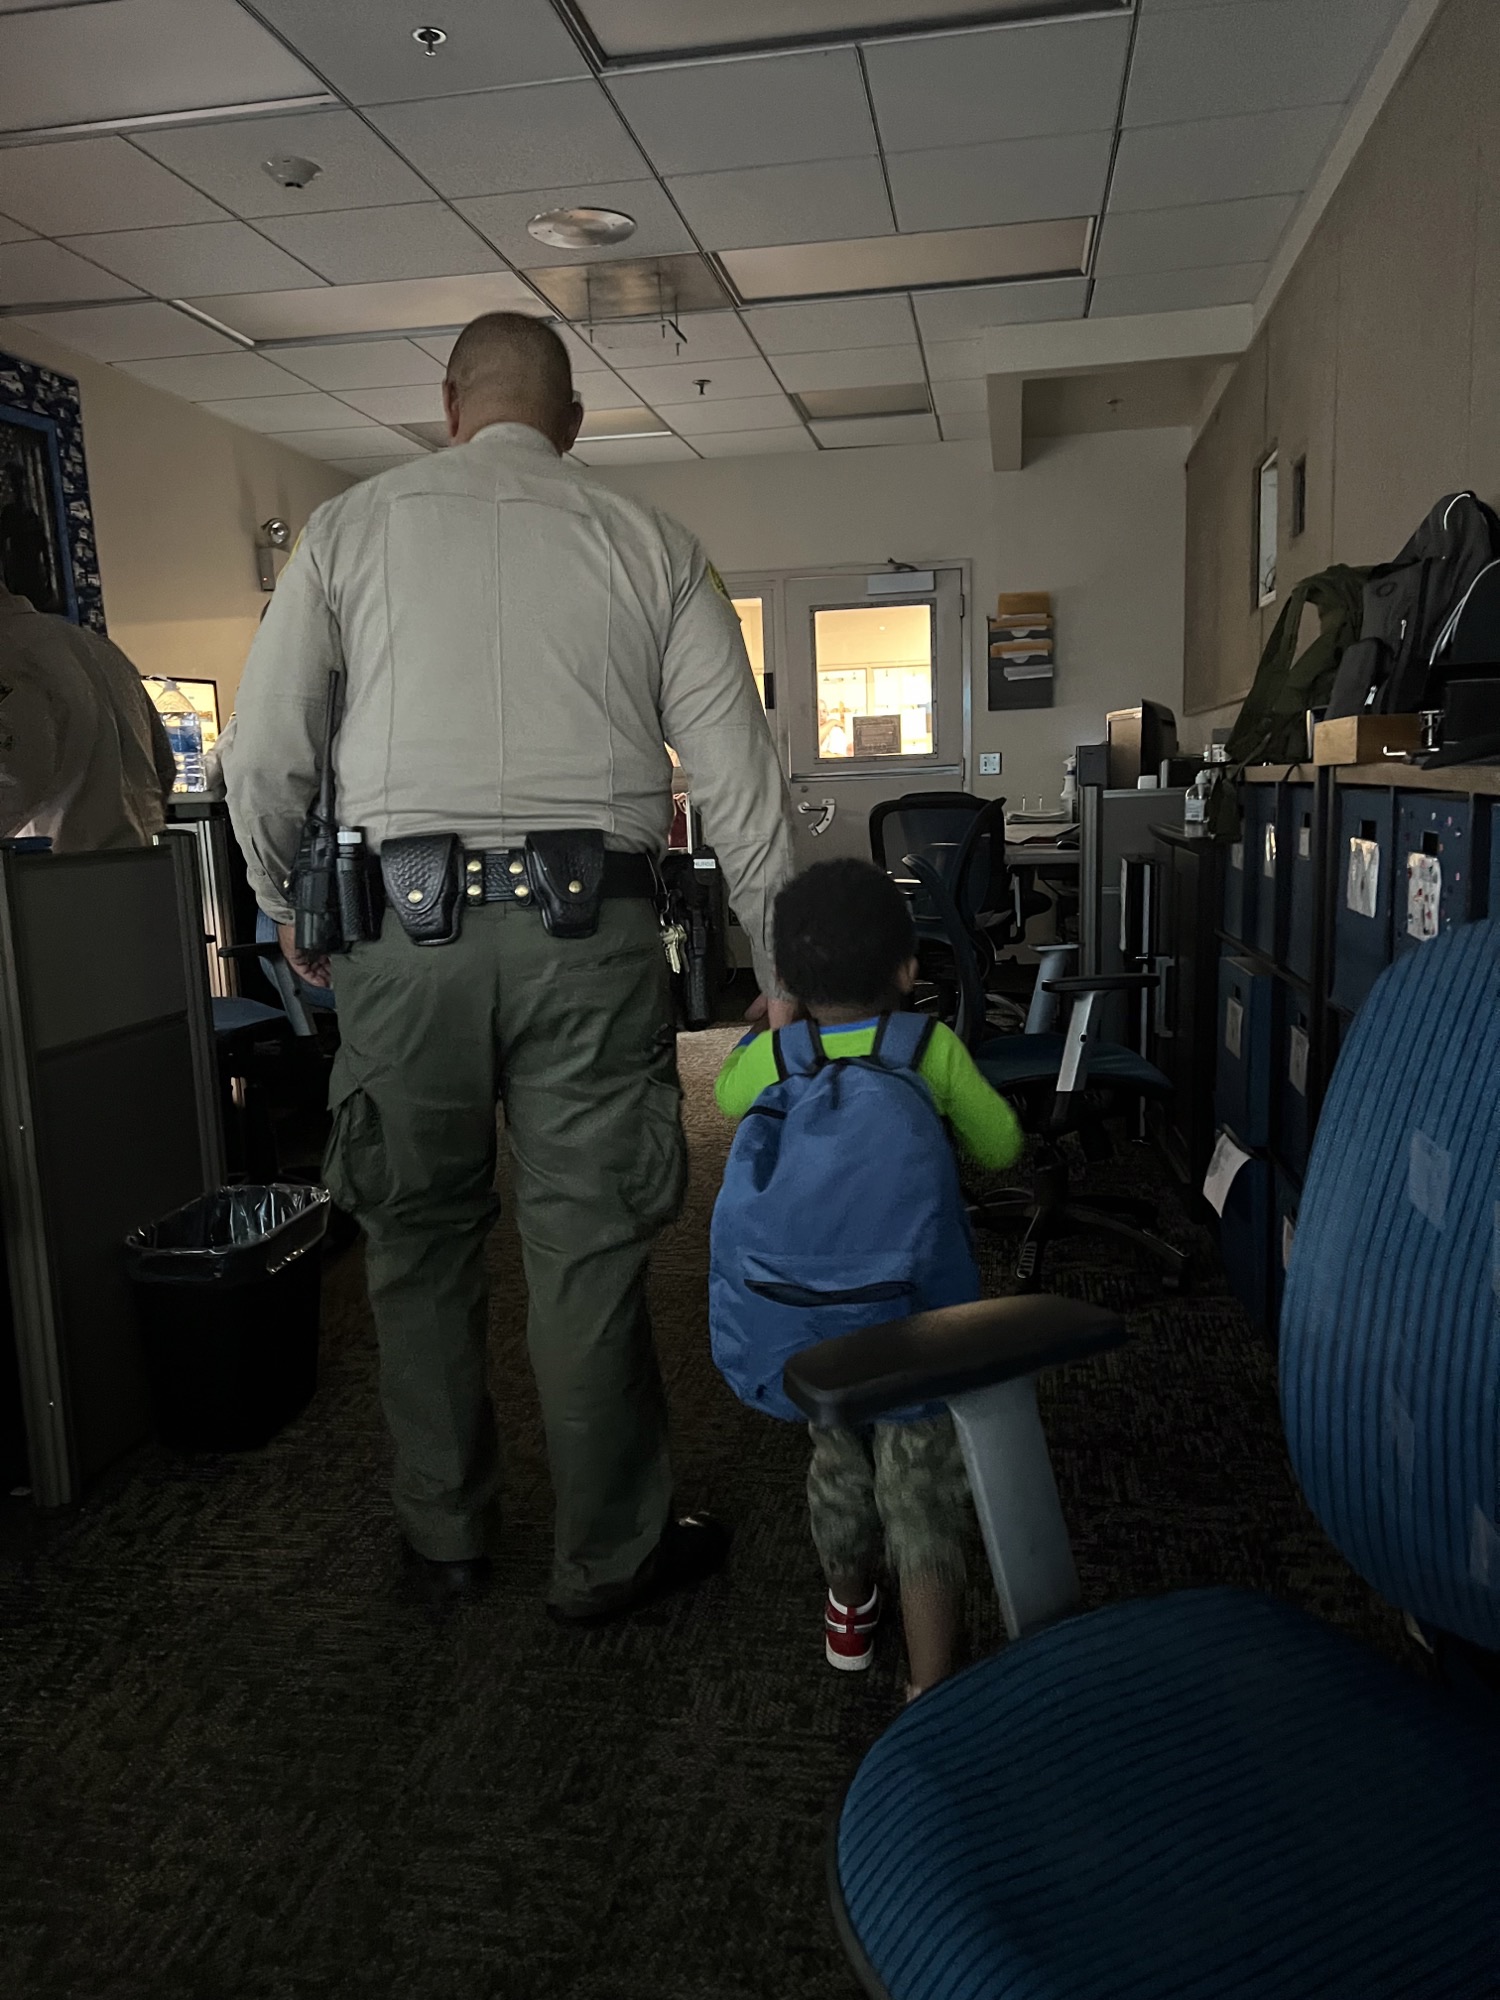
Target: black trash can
(227, 1296)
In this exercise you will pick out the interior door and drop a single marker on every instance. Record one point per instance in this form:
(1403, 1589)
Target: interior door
(870, 697)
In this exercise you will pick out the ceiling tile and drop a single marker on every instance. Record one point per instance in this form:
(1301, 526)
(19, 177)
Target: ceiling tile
(832, 323)
(498, 142)
(854, 368)
(285, 413)
(955, 360)
(351, 441)
(367, 246)
(1261, 55)
(12, 232)
(360, 364)
(877, 430)
(358, 169)
(206, 378)
(958, 314)
(365, 47)
(439, 347)
(732, 413)
(633, 451)
(142, 332)
(960, 425)
(822, 199)
(709, 116)
(1181, 239)
(604, 392)
(42, 273)
(360, 468)
(92, 184)
(659, 230)
(416, 403)
(779, 273)
(954, 399)
(1019, 180)
(1176, 291)
(1222, 159)
(679, 383)
(754, 444)
(196, 257)
(417, 303)
(1010, 83)
(136, 58)
(716, 336)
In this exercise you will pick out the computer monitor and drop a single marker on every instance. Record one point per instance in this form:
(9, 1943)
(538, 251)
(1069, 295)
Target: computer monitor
(1138, 738)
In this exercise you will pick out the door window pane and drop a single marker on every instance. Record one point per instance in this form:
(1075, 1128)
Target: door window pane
(874, 680)
(752, 616)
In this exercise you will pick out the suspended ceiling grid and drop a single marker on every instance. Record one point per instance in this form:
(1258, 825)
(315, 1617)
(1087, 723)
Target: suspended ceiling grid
(917, 161)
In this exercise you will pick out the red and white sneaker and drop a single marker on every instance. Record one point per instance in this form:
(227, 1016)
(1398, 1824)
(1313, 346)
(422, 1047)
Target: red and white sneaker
(849, 1632)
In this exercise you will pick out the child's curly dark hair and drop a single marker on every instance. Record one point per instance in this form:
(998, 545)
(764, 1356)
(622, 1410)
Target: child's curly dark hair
(842, 932)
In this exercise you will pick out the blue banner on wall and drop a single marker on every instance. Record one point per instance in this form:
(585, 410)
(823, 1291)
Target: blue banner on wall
(47, 547)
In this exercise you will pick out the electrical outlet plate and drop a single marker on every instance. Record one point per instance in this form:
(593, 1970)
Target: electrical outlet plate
(989, 763)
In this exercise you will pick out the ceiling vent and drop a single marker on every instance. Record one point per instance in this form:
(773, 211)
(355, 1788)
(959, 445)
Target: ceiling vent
(626, 32)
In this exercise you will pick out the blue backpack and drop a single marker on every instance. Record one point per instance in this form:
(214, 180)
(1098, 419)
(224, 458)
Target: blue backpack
(840, 1208)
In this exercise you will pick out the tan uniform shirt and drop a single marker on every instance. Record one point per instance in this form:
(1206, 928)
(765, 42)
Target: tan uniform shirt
(519, 643)
(84, 758)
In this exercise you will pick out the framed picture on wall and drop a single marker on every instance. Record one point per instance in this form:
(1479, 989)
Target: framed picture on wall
(34, 557)
(47, 547)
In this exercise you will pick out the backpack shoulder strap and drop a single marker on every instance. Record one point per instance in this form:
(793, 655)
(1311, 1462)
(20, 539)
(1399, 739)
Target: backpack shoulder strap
(901, 1040)
(798, 1050)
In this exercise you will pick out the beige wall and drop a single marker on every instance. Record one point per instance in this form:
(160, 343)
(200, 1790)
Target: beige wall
(177, 497)
(1097, 520)
(1380, 359)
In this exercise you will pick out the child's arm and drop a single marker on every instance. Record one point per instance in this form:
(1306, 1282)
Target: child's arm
(749, 1069)
(983, 1123)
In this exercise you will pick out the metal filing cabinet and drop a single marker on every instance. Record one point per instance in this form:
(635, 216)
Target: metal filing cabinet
(1242, 1093)
(1364, 864)
(1302, 876)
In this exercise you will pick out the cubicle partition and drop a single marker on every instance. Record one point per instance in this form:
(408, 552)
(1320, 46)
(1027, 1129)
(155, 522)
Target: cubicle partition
(110, 1113)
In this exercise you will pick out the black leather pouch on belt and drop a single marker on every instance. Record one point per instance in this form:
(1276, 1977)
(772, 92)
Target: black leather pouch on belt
(421, 876)
(566, 872)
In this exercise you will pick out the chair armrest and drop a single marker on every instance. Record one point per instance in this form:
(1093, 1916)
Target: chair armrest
(934, 1356)
(1104, 982)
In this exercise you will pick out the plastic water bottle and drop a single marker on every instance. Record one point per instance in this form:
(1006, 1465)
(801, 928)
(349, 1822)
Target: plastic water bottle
(184, 728)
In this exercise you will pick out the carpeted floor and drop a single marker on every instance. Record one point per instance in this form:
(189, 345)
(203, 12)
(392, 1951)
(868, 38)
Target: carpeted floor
(241, 1768)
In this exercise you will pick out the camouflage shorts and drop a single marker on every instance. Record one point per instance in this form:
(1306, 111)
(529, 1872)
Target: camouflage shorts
(900, 1485)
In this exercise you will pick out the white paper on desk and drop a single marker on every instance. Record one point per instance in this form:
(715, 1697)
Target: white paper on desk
(1227, 1160)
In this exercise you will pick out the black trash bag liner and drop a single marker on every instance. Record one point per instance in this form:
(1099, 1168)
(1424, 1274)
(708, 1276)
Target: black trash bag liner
(233, 1236)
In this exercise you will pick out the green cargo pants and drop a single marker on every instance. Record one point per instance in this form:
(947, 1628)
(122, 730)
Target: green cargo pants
(574, 1038)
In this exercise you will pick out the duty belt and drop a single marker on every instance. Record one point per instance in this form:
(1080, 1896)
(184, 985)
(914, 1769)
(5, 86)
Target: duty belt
(498, 875)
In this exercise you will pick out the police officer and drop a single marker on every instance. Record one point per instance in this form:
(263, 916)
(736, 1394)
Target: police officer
(519, 645)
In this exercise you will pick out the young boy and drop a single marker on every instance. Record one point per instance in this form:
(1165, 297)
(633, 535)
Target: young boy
(861, 1168)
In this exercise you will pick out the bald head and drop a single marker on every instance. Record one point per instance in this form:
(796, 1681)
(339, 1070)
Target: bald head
(508, 369)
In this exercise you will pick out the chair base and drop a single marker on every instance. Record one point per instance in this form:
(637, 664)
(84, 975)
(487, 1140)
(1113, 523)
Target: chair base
(1047, 1213)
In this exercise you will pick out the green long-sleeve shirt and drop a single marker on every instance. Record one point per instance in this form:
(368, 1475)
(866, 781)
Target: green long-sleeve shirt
(986, 1128)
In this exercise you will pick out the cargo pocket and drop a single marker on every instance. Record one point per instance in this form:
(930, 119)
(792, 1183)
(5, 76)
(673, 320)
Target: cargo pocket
(355, 1170)
(654, 1188)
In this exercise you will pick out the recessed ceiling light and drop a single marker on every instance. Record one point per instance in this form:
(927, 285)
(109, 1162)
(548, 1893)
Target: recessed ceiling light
(646, 288)
(580, 228)
(290, 170)
(637, 422)
(926, 259)
(902, 399)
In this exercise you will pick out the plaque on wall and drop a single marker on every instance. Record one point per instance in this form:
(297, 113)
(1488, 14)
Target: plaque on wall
(877, 735)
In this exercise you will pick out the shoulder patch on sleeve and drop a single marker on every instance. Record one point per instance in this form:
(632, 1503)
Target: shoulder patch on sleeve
(718, 583)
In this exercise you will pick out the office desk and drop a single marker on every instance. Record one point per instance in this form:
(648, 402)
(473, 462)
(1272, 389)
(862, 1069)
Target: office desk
(1039, 854)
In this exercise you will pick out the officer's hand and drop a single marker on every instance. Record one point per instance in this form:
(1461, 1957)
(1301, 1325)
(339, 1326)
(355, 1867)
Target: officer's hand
(775, 1014)
(312, 967)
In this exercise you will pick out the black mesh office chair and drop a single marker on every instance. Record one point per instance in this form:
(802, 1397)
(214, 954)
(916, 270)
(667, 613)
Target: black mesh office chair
(963, 839)
(1060, 1082)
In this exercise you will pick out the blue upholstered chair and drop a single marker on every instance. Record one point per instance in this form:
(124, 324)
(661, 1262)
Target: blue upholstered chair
(1211, 1795)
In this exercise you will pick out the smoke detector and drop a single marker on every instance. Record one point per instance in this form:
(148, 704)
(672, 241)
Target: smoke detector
(581, 228)
(290, 170)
